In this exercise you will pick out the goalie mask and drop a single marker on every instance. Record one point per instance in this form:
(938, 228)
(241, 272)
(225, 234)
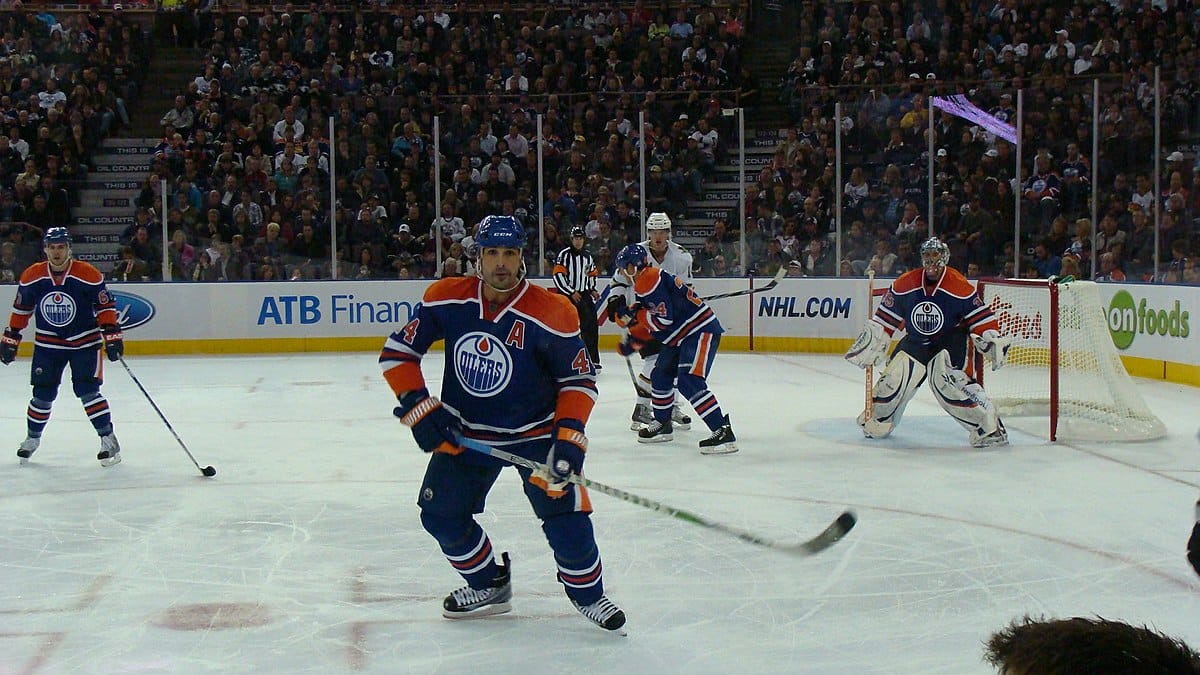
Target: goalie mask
(935, 255)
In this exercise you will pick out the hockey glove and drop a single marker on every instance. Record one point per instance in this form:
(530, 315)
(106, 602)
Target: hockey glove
(870, 349)
(621, 313)
(433, 427)
(1194, 543)
(8, 346)
(114, 342)
(565, 458)
(629, 344)
(993, 346)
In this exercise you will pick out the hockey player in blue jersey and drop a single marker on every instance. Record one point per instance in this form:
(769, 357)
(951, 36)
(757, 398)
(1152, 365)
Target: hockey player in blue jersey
(939, 310)
(76, 316)
(690, 334)
(517, 375)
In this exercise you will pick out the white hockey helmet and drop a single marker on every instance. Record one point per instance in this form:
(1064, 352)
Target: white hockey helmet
(658, 221)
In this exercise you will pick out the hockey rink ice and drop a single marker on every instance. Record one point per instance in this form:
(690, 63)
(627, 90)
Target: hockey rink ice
(305, 554)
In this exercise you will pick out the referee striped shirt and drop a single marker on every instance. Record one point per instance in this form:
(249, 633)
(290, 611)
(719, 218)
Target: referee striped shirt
(575, 271)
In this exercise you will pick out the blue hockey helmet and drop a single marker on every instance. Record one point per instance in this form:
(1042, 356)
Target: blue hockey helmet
(633, 254)
(57, 235)
(500, 232)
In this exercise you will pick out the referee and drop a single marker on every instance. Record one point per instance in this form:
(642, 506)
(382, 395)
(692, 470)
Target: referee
(575, 277)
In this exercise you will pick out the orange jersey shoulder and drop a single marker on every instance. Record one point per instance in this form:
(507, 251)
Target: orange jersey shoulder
(909, 281)
(35, 271)
(85, 271)
(646, 280)
(956, 284)
(452, 288)
(552, 309)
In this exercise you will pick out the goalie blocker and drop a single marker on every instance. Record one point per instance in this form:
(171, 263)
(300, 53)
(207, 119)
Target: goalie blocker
(943, 318)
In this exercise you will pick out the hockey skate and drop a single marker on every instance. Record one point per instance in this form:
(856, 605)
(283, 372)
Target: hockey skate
(997, 437)
(679, 420)
(469, 603)
(603, 613)
(721, 442)
(642, 416)
(110, 450)
(27, 448)
(656, 432)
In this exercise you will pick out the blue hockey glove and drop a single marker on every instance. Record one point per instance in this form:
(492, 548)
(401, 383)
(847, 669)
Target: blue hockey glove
(433, 427)
(565, 458)
(8, 346)
(114, 341)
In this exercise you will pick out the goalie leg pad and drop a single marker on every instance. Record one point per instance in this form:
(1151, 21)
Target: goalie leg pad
(966, 401)
(895, 388)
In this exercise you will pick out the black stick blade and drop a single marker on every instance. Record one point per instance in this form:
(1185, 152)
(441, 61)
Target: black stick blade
(208, 471)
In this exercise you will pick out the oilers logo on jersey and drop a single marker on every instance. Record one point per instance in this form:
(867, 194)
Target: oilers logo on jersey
(483, 365)
(927, 318)
(58, 309)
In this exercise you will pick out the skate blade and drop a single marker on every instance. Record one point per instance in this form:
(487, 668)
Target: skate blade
(661, 438)
(723, 449)
(485, 611)
(110, 461)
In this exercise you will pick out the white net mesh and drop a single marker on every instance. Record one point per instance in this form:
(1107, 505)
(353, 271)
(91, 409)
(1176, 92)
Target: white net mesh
(1097, 400)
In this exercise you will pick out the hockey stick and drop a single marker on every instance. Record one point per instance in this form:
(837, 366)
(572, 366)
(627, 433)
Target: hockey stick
(869, 404)
(828, 537)
(747, 291)
(208, 471)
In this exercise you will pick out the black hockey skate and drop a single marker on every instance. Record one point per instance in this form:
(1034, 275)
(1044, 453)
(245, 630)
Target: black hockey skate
(110, 450)
(603, 613)
(27, 448)
(642, 416)
(679, 420)
(656, 432)
(721, 442)
(469, 603)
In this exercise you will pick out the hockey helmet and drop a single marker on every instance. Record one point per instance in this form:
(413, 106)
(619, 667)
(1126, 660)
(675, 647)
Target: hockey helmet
(935, 255)
(56, 235)
(633, 254)
(658, 221)
(500, 232)
(576, 231)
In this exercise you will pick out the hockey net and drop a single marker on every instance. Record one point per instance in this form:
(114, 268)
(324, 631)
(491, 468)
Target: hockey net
(1062, 364)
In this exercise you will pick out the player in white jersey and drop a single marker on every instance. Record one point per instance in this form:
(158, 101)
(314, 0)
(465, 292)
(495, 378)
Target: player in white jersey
(667, 255)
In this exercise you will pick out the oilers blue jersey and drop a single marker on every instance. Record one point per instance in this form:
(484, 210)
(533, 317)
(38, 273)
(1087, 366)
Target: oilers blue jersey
(510, 373)
(69, 305)
(930, 312)
(673, 310)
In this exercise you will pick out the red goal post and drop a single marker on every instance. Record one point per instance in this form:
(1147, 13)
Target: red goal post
(1062, 364)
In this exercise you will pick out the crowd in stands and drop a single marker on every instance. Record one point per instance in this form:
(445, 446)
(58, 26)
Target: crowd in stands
(884, 61)
(65, 84)
(247, 155)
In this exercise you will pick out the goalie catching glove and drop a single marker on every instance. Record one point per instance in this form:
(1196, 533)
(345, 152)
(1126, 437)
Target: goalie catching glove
(870, 349)
(8, 346)
(565, 458)
(993, 346)
(433, 427)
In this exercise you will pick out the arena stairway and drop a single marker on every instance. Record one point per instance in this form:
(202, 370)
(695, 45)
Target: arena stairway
(119, 168)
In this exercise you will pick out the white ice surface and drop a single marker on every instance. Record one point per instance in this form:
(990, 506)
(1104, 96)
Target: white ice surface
(305, 553)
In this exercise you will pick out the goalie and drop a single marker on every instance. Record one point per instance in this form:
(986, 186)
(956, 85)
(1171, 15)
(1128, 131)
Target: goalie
(944, 318)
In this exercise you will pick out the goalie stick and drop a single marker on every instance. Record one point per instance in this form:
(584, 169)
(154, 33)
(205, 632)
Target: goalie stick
(831, 535)
(747, 291)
